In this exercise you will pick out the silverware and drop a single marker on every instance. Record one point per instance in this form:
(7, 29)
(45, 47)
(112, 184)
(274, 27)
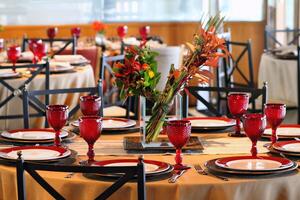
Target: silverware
(202, 171)
(69, 175)
(175, 176)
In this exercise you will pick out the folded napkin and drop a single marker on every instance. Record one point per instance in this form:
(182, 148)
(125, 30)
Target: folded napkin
(27, 55)
(286, 50)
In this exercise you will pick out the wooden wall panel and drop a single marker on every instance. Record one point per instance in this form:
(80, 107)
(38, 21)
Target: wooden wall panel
(173, 33)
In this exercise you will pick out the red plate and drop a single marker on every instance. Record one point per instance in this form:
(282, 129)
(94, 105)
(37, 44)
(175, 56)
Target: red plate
(151, 166)
(35, 153)
(211, 122)
(250, 163)
(292, 146)
(284, 131)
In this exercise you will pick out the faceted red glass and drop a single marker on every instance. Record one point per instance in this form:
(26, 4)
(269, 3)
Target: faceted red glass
(90, 105)
(238, 105)
(144, 32)
(275, 113)
(254, 126)
(13, 54)
(178, 132)
(57, 116)
(52, 32)
(41, 50)
(122, 31)
(76, 32)
(90, 130)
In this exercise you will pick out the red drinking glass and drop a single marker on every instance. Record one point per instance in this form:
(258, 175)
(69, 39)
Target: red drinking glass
(13, 54)
(238, 105)
(33, 48)
(90, 130)
(179, 132)
(52, 32)
(90, 105)
(254, 126)
(40, 50)
(75, 31)
(144, 32)
(57, 116)
(122, 31)
(275, 113)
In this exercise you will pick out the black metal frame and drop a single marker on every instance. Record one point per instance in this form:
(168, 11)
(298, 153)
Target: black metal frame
(68, 41)
(130, 173)
(18, 92)
(40, 108)
(271, 34)
(193, 90)
(105, 65)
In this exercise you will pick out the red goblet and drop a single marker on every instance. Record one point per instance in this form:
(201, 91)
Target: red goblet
(179, 132)
(254, 126)
(33, 48)
(40, 50)
(275, 113)
(13, 54)
(57, 116)
(90, 105)
(51, 33)
(122, 31)
(90, 130)
(144, 32)
(75, 32)
(238, 105)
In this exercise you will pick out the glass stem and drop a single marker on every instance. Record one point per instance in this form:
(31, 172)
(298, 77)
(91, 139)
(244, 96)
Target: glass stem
(178, 157)
(57, 138)
(274, 136)
(238, 126)
(91, 153)
(254, 149)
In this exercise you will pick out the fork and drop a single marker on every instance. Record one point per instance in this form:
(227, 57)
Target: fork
(200, 170)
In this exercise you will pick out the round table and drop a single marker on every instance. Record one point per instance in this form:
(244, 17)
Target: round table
(190, 186)
(80, 77)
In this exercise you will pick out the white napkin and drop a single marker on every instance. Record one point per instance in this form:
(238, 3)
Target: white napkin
(68, 58)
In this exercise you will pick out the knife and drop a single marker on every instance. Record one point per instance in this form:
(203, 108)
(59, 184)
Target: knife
(175, 176)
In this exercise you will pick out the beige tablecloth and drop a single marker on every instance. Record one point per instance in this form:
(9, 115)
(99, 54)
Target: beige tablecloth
(281, 76)
(190, 186)
(81, 77)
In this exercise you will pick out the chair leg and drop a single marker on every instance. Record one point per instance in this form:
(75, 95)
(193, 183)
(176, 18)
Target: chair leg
(20, 180)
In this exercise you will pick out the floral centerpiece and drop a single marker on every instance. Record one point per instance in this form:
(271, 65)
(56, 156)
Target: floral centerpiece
(203, 51)
(100, 28)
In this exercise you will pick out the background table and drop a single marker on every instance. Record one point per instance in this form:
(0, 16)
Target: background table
(281, 76)
(81, 77)
(190, 186)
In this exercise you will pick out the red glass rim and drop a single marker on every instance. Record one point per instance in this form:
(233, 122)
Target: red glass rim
(90, 98)
(254, 116)
(178, 123)
(275, 105)
(238, 94)
(91, 117)
(57, 107)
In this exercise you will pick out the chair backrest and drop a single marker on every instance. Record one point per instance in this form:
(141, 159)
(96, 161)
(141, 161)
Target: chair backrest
(40, 107)
(18, 91)
(67, 42)
(233, 64)
(215, 109)
(128, 173)
(271, 40)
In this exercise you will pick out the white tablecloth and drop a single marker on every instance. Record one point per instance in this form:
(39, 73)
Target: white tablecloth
(281, 76)
(81, 77)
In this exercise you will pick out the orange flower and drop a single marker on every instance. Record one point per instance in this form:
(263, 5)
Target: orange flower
(98, 26)
(145, 66)
(176, 73)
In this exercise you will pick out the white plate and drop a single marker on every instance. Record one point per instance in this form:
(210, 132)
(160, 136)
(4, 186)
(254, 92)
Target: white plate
(148, 167)
(284, 131)
(112, 123)
(8, 74)
(211, 122)
(291, 147)
(32, 135)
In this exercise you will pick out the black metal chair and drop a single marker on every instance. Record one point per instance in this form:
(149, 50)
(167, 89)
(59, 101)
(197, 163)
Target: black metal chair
(111, 95)
(67, 42)
(129, 173)
(18, 92)
(30, 97)
(213, 109)
(271, 39)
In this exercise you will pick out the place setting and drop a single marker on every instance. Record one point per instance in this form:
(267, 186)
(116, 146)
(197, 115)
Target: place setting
(240, 166)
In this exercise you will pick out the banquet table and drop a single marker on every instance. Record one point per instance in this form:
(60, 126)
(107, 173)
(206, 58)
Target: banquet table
(79, 77)
(190, 186)
(281, 75)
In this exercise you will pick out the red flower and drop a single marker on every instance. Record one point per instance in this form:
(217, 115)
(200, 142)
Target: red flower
(98, 26)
